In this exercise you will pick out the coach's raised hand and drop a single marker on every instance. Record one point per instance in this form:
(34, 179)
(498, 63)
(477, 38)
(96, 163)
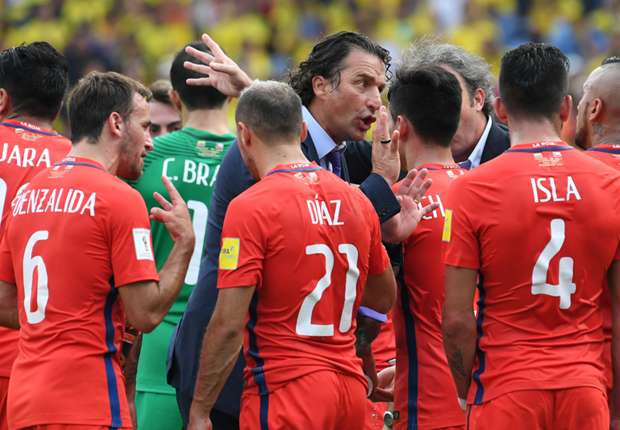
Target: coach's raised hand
(385, 156)
(219, 70)
(409, 193)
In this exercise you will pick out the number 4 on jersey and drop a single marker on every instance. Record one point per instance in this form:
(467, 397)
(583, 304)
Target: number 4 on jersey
(565, 287)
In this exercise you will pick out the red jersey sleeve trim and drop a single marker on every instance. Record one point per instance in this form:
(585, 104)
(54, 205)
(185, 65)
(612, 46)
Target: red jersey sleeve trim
(127, 281)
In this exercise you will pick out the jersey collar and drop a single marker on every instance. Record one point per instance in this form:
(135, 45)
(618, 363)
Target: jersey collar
(294, 168)
(543, 146)
(12, 123)
(610, 149)
(438, 166)
(80, 161)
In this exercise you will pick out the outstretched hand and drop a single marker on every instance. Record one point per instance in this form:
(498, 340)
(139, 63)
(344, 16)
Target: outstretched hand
(219, 70)
(385, 156)
(409, 193)
(173, 214)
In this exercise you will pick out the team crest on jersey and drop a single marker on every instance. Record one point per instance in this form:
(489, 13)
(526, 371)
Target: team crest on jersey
(229, 254)
(26, 135)
(452, 173)
(549, 159)
(58, 171)
(205, 149)
(307, 177)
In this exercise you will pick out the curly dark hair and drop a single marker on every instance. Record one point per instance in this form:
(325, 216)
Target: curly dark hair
(326, 59)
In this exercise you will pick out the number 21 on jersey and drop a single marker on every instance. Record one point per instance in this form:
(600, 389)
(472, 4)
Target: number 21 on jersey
(305, 326)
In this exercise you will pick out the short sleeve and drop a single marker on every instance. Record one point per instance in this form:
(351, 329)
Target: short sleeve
(378, 256)
(7, 273)
(243, 246)
(462, 247)
(131, 247)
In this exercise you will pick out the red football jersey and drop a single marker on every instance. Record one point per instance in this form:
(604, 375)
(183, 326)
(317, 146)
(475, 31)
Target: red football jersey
(25, 151)
(307, 240)
(424, 394)
(610, 155)
(74, 234)
(541, 223)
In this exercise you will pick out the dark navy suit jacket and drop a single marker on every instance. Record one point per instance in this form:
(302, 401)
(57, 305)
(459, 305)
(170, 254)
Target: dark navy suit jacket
(233, 178)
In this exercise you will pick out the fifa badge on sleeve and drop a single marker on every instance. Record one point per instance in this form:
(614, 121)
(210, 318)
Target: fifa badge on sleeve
(229, 254)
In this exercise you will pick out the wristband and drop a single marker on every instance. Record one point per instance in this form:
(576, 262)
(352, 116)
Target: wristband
(462, 403)
(371, 313)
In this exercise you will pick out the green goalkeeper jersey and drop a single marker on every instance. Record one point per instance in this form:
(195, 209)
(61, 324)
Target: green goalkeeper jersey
(190, 158)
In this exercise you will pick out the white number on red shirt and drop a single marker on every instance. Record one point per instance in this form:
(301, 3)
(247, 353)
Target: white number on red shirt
(3, 190)
(304, 326)
(30, 264)
(199, 221)
(565, 287)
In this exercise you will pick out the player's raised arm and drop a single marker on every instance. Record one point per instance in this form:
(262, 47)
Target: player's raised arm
(459, 326)
(146, 303)
(219, 70)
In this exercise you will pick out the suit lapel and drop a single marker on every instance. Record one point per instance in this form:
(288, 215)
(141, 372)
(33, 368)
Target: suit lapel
(307, 147)
(345, 168)
(497, 142)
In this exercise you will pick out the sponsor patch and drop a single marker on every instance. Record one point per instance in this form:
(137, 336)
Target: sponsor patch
(142, 244)
(229, 254)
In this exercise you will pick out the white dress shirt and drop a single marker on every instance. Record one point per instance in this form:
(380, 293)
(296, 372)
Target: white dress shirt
(476, 155)
(323, 143)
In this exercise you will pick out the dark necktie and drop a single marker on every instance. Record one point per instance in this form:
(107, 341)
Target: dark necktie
(465, 165)
(335, 159)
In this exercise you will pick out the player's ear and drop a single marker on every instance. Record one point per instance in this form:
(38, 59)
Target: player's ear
(243, 134)
(404, 128)
(116, 124)
(500, 110)
(566, 107)
(5, 103)
(595, 110)
(176, 100)
(304, 131)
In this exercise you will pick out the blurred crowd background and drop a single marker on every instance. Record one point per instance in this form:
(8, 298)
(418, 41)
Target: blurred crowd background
(267, 37)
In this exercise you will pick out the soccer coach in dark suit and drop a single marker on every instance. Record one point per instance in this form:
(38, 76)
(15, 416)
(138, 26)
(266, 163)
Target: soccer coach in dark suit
(340, 86)
(480, 137)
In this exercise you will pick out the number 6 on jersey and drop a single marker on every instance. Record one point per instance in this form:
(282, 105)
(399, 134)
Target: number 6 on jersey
(30, 263)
